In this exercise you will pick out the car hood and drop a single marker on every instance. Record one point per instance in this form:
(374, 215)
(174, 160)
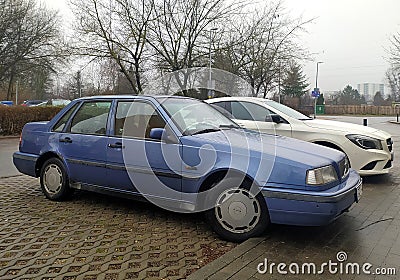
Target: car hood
(287, 159)
(347, 128)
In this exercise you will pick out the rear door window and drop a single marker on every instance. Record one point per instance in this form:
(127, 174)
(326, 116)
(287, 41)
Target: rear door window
(250, 111)
(64, 119)
(91, 118)
(224, 107)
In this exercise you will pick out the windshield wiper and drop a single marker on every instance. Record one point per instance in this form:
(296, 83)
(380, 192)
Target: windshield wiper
(229, 126)
(206, 130)
(305, 119)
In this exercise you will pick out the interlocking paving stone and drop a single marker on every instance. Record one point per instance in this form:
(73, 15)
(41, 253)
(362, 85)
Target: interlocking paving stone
(370, 232)
(93, 236)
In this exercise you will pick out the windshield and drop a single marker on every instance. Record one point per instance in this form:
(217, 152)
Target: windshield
(193, 116)
(287, 110)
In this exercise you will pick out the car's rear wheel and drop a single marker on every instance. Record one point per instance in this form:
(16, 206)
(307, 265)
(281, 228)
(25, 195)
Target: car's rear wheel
(54, 180)
(238, 214)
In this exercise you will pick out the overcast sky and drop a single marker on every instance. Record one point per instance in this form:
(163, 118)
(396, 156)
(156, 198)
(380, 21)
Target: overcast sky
(349, 36)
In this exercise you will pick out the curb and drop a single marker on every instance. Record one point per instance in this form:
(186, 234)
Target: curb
(219, 264)
(394, 122)
(11, 176)
(9, 137)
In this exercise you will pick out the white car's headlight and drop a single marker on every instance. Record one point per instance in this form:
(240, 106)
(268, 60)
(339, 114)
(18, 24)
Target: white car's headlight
(365, 142)
(321, 176)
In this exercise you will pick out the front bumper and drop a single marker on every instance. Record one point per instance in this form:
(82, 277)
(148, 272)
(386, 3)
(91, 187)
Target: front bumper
(370, 162)
(377, 166)
(305, 208)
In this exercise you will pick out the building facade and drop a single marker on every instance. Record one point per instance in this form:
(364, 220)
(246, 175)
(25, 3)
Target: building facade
(369, 90)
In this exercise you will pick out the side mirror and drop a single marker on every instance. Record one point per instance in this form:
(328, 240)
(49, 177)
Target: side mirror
(157, 133)
(163, 135)
(274, 117)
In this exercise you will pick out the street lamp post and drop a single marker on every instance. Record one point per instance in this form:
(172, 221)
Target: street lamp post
(279, 83)
(316, 89)
(210, 90)
(79, 77)
(57, 84)
(16, 92)
(79, 83)
(316, 76)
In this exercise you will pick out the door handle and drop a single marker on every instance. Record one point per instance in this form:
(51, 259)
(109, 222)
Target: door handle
(65, 140)
(117, 145)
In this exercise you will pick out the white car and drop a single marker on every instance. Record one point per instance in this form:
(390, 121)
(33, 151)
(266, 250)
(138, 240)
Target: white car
(54, 102)
(369, 150)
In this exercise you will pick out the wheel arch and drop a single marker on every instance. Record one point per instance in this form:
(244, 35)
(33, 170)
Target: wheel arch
(43, 158)
(218, 175)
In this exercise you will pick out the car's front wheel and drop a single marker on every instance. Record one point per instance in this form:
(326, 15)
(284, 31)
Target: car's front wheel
(54, 180)
(238, 214)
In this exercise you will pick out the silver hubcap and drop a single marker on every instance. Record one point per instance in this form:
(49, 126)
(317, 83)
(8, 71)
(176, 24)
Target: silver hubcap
(237, 210)
(52, 179)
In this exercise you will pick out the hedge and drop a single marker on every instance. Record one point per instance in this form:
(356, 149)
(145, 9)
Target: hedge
(13, 118)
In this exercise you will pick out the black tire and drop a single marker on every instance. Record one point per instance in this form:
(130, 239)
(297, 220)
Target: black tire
(237, 204)
(54, 180)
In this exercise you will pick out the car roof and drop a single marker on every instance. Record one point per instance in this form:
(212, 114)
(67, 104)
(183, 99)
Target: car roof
(238, 98)
(132, 97)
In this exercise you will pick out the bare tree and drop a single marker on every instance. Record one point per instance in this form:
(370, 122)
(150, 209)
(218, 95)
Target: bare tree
(394, 51)
(257, 48)
(117, 30)
(393, 73)
(149, 37)
(180, 34)
(393, 77)
(29, 39)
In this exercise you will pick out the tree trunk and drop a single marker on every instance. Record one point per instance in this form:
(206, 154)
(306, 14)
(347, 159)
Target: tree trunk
(10, 87)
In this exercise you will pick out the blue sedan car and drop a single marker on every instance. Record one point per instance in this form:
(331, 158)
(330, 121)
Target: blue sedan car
(184, 155)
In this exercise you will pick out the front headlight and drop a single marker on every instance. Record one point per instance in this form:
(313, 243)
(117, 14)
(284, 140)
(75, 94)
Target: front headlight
(365, 142)
(321, 176)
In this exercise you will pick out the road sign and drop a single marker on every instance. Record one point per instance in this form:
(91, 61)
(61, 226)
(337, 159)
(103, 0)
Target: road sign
(315, 92)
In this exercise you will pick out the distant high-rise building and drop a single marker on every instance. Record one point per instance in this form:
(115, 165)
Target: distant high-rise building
(369, 90)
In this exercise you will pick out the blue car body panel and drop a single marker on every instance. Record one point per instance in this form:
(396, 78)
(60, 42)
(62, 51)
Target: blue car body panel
(89, 160)
(311, 208)
(25, 163)
(85, 157)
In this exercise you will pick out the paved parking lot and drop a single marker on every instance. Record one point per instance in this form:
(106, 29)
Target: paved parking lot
(7, 147)
(99, 237)
(368, 233)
